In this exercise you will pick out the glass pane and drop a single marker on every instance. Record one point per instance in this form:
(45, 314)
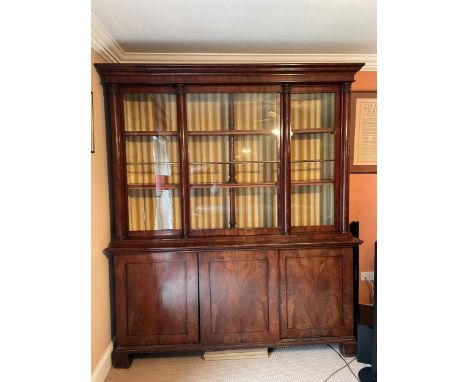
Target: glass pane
(256, 207)
(312, 111)
(209, 208)
(152, 159)
(312, 205)
(150, 112)
(249, 111)
(254, 157)
(153, 209)
(257, 111)
(205, 155)
(312, 157)
(247, 156)
(310, 171)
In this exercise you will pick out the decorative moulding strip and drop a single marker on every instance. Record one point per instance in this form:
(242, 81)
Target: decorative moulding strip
(102, 369)
(243, 58)
(103, 42)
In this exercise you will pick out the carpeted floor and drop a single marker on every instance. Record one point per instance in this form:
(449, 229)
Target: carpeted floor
(315, 363)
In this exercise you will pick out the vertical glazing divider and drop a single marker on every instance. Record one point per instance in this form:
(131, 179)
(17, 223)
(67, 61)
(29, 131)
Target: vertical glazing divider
(183, 159)
(232, 167)
(286, 139)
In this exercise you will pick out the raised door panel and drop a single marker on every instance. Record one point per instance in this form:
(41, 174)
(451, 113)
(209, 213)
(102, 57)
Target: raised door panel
(157, 299)
(316, 293)
(238, 297)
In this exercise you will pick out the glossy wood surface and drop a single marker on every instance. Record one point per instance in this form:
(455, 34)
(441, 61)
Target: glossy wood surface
(344, 159)
(157, 299)
(238, 296)
(118, 173)
(316, 293)
(286, 164)
(183, 150)
(226, 73)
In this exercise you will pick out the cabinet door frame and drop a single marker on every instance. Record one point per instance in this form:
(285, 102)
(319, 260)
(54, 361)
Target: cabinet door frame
(208, 336)
(346, 305)
(123, 336)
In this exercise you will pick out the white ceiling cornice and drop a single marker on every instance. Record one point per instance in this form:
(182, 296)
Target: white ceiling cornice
(104, 43)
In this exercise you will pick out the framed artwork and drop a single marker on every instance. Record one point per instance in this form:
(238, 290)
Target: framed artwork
(92, 124)
(363, 132)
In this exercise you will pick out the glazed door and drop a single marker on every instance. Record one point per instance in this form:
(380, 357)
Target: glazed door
(316, 293)
(156, 299)
(239, 297)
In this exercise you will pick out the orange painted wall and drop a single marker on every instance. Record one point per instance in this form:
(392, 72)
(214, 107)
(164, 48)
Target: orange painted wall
(363, 200)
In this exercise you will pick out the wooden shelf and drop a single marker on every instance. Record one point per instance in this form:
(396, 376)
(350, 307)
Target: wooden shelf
(151, 133)
(233, 185)
(231, 132)
(311, 160)
(150, 163)
(150, 186)
(236, 162)
(312, 182)
(313, 131)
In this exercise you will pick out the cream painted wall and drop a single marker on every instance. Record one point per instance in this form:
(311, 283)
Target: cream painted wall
(100, 226)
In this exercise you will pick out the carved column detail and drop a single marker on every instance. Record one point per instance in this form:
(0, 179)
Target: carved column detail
(286, 137)
(344, 163)
(183, 159)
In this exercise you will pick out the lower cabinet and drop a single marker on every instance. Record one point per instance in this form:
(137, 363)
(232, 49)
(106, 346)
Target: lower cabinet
(316, 293)
(156, 299)
(239, 297)
(233, 297)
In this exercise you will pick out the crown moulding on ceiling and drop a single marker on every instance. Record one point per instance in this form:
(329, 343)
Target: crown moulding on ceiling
(103, 42)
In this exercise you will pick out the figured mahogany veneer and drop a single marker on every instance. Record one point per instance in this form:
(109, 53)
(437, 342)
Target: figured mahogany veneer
(157, 299)
(192, 290)
(316, 293)
(238, 296)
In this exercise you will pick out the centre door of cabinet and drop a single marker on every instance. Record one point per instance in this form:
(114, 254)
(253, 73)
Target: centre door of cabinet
(239, 297)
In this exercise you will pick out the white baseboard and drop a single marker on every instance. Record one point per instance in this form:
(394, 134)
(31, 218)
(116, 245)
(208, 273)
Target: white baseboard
(102, 369)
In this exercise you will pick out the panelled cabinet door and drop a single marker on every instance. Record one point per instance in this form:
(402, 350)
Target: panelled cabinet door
(239, 297)
(157, 299)
(316, 293)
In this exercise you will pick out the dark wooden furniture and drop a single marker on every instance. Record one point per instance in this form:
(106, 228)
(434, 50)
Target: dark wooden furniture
(230, 206)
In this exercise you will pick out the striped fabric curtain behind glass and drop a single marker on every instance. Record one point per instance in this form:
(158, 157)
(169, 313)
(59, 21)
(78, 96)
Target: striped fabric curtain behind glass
(312, 205)
(312, 111)
(147, 157)
(150, 112)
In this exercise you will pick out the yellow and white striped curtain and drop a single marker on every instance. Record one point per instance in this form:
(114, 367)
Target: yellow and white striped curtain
(312, 147)
(150, 112)
(255, 207)
(312, 111)
(312, 205)
(150, 159)
(152, 209)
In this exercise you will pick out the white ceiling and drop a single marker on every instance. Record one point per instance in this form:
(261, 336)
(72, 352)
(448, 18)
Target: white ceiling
(241, 26)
